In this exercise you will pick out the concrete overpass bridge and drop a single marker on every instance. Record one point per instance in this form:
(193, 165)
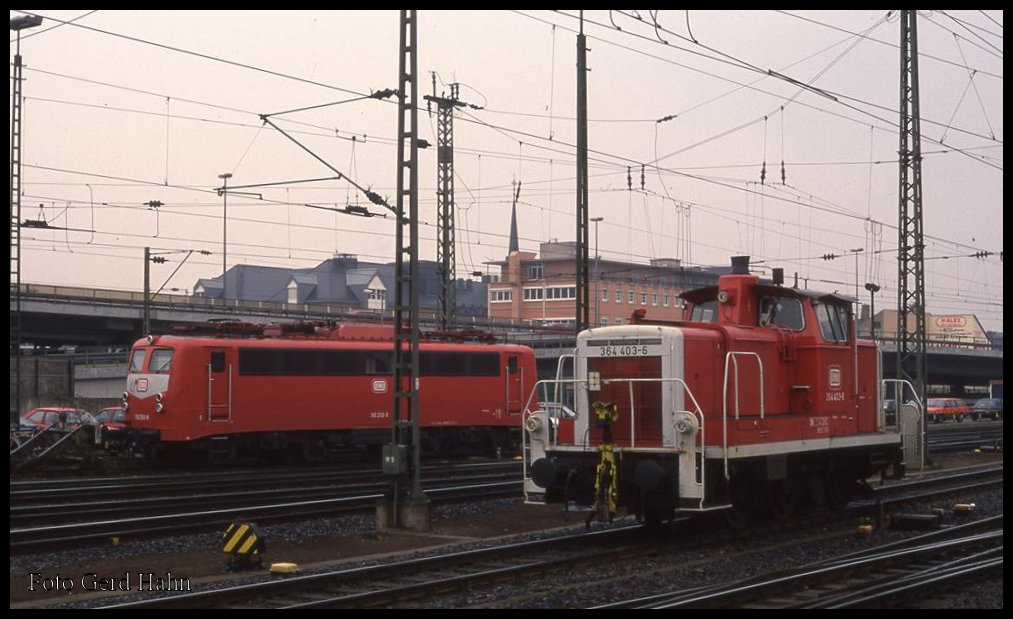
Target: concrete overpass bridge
(109, 321)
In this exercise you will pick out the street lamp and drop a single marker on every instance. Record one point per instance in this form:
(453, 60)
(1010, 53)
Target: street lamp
(224, 193)
(597, 273)
(856, 251)
(873, 289)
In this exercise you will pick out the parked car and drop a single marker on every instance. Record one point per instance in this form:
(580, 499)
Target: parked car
(58, 417)
(112, 422)
(987, 408)
(940, 409)
(890, 412)
(112, 416)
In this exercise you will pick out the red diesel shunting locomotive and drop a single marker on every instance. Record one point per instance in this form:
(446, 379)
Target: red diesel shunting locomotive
(235, 389)
(763, 396)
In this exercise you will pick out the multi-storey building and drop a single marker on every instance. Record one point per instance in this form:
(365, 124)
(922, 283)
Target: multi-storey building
(541, 288)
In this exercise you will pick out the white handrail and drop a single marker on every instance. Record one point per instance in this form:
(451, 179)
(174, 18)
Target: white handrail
(698, 412)
(899, 399)
(732, 355)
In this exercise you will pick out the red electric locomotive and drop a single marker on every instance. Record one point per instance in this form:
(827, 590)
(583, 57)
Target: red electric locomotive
(313, 389)
(764, 396)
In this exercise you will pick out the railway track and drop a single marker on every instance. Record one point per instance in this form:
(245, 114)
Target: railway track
(409, 579)
(396, 582)
(955, 437)
(191, 485)
(36, 527)
(884, 575)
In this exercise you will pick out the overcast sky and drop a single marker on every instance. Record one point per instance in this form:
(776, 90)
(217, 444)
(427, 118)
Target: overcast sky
(126, 107)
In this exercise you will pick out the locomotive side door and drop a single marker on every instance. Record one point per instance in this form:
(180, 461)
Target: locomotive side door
(219, 373)
(514, 385)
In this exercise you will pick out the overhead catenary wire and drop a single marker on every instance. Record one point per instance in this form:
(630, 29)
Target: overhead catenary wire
(528, 156)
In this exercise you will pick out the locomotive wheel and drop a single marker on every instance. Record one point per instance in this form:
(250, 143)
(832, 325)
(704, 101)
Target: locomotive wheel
(654, 518)
(817, 488)
(314, 451)
(745, 500)
(219, 458)
(839, 487)
(783, 497)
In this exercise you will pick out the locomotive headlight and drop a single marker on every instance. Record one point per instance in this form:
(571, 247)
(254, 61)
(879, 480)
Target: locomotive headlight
(159, 397)
(159, 407)
(126, 401)
(533, 425)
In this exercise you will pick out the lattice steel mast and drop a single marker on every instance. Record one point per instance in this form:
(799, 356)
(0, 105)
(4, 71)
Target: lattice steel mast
(445, 259)
(911, 364)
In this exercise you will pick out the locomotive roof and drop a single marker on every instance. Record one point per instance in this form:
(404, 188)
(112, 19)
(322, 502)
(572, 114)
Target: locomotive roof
(201, 340)
(711, 292)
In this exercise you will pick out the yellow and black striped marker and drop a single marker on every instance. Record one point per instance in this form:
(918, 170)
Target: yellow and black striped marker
(244, 541)
(606, 484)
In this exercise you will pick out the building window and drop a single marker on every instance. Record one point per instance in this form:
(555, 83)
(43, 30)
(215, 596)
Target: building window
(633, 296)
(605, 321)
(376, 299)
(501, 296)
(619, 295)
(619, 321)
(604, 295)
(556, 293)
(654, 299)
(533, 294)
(666, 299)
(643, 298)
(536, 271)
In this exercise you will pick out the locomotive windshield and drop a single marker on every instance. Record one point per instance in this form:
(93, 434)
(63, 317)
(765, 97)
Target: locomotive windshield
(833, 319)
(137, 360)
(161, 360)
(705, 312)
(781, 312)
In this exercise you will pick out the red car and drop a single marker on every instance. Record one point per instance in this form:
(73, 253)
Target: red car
(52, 416)
(947, 408)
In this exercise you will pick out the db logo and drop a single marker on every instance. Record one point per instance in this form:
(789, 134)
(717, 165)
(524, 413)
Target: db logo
(141, 385)
(834, 379)
(379, 385)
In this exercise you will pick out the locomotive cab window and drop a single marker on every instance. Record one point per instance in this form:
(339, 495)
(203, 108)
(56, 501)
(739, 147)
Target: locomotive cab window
(161, 360)
(512, 364)
(218, 361)
(833, 321)
(705, 312)
(781, 312)
(137, 360)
